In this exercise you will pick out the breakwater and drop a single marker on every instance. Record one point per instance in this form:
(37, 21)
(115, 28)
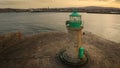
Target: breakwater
(40, 51)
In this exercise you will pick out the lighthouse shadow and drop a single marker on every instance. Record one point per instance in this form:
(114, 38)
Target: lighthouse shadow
(71, 65)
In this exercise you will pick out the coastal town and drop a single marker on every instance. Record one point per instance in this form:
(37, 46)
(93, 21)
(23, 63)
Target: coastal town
(89, 9)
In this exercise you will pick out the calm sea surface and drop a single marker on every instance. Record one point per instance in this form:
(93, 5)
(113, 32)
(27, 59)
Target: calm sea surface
(104, 25)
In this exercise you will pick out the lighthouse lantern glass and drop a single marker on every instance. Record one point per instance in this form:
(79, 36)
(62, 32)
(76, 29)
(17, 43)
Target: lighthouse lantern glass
(75, 18)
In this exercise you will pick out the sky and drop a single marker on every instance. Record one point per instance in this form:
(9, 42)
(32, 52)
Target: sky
(57, 3)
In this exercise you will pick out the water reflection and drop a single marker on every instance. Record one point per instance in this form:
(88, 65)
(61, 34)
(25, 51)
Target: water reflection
(104, 25)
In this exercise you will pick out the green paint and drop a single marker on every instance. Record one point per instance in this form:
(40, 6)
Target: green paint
(75, 14)
(81, 52)
(75, 21)
(74, 24)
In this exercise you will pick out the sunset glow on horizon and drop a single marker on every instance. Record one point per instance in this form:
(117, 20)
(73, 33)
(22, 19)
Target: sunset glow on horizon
(57, 3)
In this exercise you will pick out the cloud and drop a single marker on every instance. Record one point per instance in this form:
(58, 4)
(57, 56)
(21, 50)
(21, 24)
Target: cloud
(11, 2)
(117, 0)
(56, 3)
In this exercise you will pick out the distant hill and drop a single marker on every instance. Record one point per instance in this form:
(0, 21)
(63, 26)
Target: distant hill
(97, 7)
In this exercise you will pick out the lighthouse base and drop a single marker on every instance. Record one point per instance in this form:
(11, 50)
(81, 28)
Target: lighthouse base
(72, 61)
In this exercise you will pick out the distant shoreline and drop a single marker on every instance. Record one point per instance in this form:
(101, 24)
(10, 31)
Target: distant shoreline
(102, 13)
(89, 9)
(64, 12)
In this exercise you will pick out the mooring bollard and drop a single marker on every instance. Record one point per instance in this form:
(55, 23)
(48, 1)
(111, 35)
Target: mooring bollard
(81, 52)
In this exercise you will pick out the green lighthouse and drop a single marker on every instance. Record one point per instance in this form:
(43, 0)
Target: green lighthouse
(75, 21)
(74, 53)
